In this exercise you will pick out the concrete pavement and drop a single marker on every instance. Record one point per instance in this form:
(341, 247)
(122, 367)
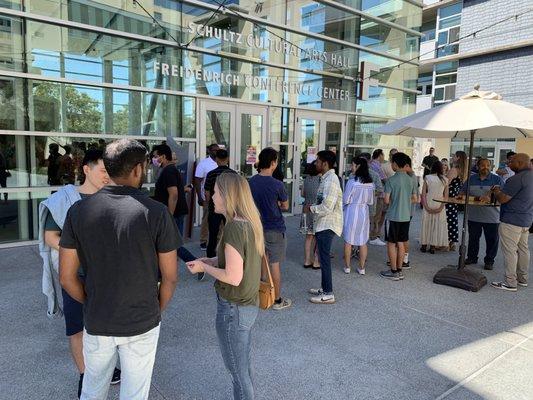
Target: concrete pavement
(381, 340)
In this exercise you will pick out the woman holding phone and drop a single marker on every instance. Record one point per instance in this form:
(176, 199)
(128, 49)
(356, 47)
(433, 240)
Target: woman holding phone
(237, 270)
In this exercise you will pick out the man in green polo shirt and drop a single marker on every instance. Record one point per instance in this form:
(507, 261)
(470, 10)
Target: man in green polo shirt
(400, 193)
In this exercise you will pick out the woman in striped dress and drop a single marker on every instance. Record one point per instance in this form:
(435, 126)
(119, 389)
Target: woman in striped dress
(358, 195)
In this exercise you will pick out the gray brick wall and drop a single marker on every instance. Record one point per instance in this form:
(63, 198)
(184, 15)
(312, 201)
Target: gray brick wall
(481, 13)
(508, 73)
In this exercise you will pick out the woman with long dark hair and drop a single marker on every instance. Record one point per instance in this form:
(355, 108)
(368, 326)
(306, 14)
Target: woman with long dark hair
(358, 195)
(457, 175)
(309, 192)
(434, 226)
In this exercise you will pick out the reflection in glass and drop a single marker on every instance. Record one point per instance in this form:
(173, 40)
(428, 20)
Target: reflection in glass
(81, 109)
(218, 128)
(251, 133)
(310, 134)
(333, 138)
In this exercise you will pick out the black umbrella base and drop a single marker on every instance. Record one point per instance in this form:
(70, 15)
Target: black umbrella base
(460, 278)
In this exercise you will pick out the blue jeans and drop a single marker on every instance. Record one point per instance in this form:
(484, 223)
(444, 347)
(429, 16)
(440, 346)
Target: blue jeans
(323, 244)
(492, 240)
(183, 253)
(233, 325)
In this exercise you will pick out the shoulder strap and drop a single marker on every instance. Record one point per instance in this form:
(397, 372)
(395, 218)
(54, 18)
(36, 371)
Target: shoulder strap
(265, 270)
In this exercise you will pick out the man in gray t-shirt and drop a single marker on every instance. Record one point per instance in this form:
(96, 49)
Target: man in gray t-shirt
(484, 219)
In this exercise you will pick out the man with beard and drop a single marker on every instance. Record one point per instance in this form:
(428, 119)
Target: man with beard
(127, 241)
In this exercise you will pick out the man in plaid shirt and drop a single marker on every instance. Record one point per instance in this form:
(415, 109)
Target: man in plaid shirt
(328, 222)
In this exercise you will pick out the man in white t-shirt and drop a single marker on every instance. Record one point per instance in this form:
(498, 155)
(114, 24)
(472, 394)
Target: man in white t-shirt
(202, 169)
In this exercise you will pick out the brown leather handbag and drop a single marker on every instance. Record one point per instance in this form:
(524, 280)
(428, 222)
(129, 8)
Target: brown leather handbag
(267, 296)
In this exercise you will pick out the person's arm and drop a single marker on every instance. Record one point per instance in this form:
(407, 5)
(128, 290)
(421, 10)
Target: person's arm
(198, 187)
(172, 198)
(501, 197)
(386, 198)
(283, 205)
(168, 265)
(283, 199)
(231, 275)
(51, 238)
(68, 274)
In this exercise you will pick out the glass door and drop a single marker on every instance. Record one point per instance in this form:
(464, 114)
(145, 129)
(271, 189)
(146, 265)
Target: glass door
(217, 122)
(317, 131)
(250, 135)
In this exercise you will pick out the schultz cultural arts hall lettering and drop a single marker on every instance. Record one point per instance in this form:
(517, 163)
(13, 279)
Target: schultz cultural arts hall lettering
(257, 82)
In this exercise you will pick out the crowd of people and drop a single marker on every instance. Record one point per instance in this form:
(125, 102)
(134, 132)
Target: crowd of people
(115, 279)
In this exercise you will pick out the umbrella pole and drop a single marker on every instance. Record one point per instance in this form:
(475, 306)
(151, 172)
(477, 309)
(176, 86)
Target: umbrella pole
(457, 275)
(462, 247)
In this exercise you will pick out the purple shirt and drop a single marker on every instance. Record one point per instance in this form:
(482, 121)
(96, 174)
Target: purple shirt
(375, 165)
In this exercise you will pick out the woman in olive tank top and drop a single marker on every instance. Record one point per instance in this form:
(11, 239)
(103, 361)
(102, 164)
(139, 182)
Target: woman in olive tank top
(237, 270)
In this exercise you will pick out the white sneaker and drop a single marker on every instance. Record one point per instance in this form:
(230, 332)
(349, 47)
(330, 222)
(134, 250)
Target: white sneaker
(361, 271)
(377, 242)
(316, 292)
(323, 299)
(347, 270)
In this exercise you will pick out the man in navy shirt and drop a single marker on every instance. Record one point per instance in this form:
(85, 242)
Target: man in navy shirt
(516, 216)
(484, 219)
(271, 198)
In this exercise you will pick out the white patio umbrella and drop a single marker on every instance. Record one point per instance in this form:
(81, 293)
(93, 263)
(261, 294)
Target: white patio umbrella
(478, 114)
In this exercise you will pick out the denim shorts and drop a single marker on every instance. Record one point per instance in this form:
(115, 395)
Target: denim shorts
(275, 246)
(73, 311)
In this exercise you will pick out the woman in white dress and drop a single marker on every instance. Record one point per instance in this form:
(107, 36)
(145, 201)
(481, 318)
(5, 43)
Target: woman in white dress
(358, 195)
(434, 224)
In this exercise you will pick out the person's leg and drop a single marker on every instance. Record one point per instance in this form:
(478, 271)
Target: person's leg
(381, 221)
(406, 256)
(347, 254)
(363, 253)
(100, 355)
(275, 271)
(400, 250)
(492, 241)
(233, 327)
(308, 260)
(474, 235)
(509, 238)
(204, 232)
(137, 357)
(324, 239)
(374, 221)
(214, 221)
(76, 350)
(180, 222)
(392, 252)
(523, 257)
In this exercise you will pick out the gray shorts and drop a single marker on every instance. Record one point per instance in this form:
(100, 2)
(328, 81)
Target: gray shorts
(275, 246)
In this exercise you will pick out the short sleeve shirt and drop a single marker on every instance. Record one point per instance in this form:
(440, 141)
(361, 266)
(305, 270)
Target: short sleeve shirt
(481, 187)
(202, 169)
(401, 188)
(118, 233)
(519, 210)
(267, 192)
(239, 235)
(170, 176)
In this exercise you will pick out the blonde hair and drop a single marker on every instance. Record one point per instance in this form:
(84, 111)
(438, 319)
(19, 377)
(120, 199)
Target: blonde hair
(234, 189)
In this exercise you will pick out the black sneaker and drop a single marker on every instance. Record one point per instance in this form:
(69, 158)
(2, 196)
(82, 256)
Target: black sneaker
(80, 384)
(470, 262)
(488, 266)
(503, 286)
(392, 275)
(406, 265)
(401, 275)
(388, 263)
(203, 245)
(116, 377)
(523, 284)
(200, 276)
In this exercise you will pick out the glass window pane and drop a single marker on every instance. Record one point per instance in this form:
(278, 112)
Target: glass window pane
(310, 134)
(449, 22)
(13, 161)
(445, 67)
(449, 92)
(15, 217)
(442, 80)
(218, 128)
(251, 134)
(450, 10)
(439, 94)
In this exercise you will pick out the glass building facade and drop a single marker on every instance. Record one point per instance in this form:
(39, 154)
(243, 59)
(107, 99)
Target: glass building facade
(242, 73)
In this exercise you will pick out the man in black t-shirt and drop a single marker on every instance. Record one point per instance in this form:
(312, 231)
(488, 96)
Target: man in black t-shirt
(169, 190)
(214, 220)
(128, 239)
(428, 161)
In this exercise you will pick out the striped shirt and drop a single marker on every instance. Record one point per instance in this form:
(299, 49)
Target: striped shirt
(328, 208)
